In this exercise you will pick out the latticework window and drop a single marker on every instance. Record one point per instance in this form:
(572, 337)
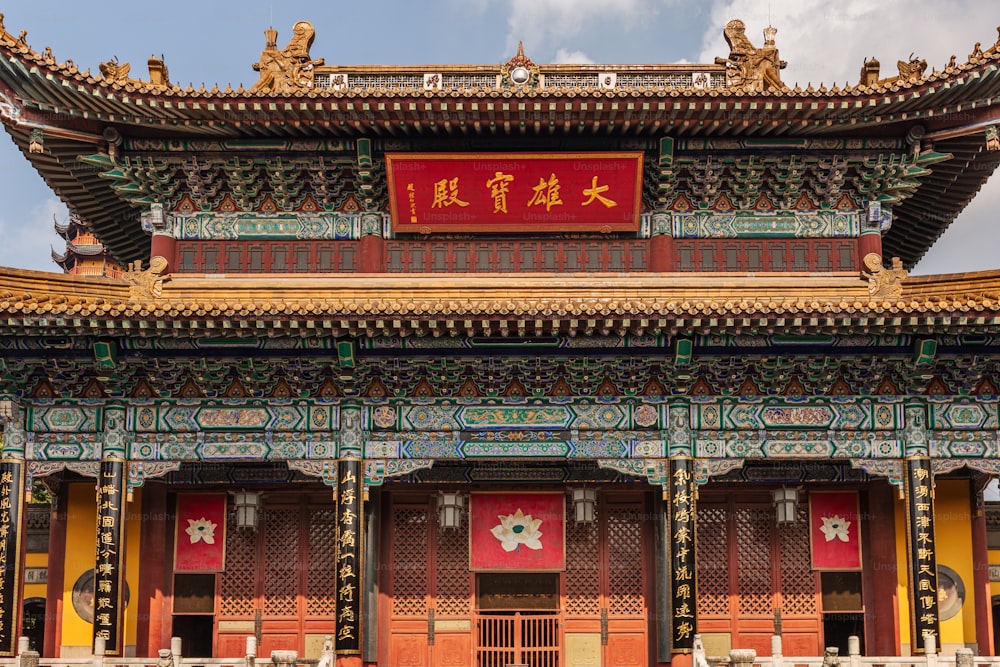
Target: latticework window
(409, 561)
(281, 563)
(713, 562)
(582, 566)
(321, 585)
(625, 562)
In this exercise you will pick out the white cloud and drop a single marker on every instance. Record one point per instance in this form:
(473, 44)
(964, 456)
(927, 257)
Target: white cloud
(565, 57)
(826, 42)
(970, 242)
(28, 243)
(546, 26)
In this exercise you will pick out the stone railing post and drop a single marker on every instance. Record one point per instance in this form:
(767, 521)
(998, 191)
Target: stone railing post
(698, 658)
(854, 650)
(777, 659)
(25, 656)
(963, 658)
(251, 651)
(164, 658)
(97, 660)
(742, 657)
(930, 650)
(175, 650)
(284, 658)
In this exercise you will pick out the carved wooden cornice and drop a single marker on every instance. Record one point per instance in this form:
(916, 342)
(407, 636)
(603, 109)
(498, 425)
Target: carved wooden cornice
(432, 304)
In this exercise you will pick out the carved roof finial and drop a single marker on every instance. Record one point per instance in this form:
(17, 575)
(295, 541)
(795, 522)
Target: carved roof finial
(748, 67)
(520, 70)
(290, 69)
(148, 284)
(884, 282)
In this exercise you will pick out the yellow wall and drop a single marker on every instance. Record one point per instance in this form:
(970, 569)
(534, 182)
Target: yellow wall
(81, 546)
(953, 538)
(35, 560)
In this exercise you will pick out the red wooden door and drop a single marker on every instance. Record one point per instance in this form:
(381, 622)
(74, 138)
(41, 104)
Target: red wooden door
(428, 606)
(748, 569)
(428, 609)
(279, 578)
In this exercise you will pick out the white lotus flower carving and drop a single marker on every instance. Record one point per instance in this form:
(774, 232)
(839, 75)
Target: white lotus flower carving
(517, 529)
(835, 527)
(201, 530)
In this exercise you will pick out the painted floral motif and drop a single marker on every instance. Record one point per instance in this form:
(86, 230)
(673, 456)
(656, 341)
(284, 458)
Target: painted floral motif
(201, 530)
(517, 529)
(835, 527)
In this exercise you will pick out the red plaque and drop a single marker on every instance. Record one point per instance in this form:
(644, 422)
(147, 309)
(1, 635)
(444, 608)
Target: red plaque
(517, 531)
(834, 530)
(515, 192)
(200, 537)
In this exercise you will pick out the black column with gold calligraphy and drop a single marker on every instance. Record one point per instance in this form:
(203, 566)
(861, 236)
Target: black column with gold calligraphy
(109, 580)
(349, 564)
(683, 566)
(922, 558)
(11, 518)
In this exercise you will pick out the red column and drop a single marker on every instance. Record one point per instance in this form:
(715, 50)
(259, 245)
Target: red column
(981, 575)
(57, 576)
(164, 245)
(151, 633)
(881, 605)
(662, 258)
(869, 242)
(372, 254)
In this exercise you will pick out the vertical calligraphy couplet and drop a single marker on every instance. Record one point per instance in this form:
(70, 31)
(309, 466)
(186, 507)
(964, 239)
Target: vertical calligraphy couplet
(922, 556)
(108, 572)
(683, 566)
(11, 518)
(349, 565)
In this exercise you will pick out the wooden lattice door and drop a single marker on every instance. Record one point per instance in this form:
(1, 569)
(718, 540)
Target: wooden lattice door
(429, 603)
(606, 585)
(749, 568)
(279, 578)
(428, 610)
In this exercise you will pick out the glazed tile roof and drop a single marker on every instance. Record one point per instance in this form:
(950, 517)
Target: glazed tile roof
(35, 303)
(951, 106)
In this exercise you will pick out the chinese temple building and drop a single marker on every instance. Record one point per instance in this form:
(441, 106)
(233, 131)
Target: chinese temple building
(548, 365)
(84, 254)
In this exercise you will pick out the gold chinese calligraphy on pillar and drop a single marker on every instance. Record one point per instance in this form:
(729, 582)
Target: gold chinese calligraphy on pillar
(349, 564)
(683, 568)
(11, 518)
(109, 605)
(922, 556)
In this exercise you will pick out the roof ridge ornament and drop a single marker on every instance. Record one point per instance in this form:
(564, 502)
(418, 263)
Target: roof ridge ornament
(755, 70)
(520, 70)
(886, 283)
(115, 72)
(290, 69)
(146, 285)
(912, 70)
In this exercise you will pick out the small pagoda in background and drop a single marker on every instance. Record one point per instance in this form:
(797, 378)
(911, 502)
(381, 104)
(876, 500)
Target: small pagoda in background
(84, 255)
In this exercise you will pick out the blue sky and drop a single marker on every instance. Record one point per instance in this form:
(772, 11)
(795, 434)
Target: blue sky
(217, 41)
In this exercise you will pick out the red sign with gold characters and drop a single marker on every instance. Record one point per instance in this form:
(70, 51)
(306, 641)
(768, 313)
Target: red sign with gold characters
(515, 192)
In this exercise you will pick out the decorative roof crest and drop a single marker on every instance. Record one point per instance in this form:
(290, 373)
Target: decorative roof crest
(884, 282)
(755, 70)
(290, 69)
(520, 70)
(146, 285)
